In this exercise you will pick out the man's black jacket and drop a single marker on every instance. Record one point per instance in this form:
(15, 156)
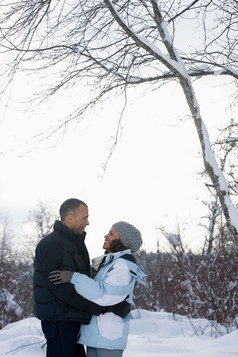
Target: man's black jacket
(62, 249)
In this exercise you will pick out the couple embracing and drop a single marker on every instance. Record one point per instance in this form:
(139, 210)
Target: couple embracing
(78, 305)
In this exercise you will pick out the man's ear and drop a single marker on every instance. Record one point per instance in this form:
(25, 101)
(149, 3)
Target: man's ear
(68, 220)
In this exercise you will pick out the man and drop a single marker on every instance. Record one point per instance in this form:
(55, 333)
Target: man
(59, 307)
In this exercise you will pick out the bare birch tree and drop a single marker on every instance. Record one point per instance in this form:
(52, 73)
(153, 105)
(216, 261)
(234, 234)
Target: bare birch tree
(113, 45)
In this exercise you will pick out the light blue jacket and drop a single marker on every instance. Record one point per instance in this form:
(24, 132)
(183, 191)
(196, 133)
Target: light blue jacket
(112, 284)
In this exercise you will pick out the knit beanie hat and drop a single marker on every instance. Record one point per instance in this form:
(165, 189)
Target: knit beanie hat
(129, 235)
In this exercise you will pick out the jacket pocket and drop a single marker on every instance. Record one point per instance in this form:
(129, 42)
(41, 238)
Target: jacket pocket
(110, 326)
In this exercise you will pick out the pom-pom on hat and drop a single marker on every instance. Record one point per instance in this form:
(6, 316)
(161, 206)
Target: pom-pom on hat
(129, 235)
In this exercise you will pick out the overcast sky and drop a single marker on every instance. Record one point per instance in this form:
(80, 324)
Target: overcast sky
(151, 178)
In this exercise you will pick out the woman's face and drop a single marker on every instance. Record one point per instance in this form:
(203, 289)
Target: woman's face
(112, 235)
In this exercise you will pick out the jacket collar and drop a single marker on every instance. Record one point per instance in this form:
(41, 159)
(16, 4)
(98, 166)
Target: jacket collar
(61, 228)
(109, 258)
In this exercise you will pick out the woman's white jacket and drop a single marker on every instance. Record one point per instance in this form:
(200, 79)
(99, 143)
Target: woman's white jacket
(113, 283)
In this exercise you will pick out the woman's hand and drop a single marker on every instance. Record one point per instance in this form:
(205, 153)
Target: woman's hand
(60, 276)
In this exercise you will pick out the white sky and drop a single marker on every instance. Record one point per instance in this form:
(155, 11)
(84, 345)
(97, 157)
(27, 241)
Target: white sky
(151, 178)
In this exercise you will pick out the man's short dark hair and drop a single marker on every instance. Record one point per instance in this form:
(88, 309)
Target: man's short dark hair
(70, 206)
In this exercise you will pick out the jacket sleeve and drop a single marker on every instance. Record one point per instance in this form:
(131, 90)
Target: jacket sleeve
(54, 258)
(112, 290)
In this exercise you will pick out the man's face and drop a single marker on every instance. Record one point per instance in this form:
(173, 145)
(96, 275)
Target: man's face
(78, 221)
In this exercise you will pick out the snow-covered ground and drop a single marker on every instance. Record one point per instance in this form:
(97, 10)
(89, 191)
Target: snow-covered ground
(151, 333)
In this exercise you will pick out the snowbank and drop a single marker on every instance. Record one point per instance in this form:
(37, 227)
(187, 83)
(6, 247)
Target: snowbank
(151, 333)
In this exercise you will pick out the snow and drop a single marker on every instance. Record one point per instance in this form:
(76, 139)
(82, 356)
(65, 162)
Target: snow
(164, 58)
(8, 304)
(151, 333)
(174, 239)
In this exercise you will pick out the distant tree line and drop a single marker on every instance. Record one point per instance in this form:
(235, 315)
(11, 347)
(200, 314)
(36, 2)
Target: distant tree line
(196, 285)
(16, 265)
(15, 282)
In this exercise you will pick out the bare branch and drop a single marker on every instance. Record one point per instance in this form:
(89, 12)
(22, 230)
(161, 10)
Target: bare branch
(112, 45)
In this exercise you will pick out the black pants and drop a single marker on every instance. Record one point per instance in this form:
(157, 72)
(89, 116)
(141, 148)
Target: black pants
(62, 339)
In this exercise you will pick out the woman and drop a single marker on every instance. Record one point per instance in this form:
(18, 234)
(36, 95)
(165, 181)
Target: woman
(116, 273)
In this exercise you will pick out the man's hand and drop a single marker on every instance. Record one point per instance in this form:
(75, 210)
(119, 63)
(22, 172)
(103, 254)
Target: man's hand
(121, 309)
(60, 276)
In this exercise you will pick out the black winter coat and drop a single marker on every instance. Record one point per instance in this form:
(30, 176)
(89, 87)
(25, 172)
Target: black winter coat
(61, 249)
